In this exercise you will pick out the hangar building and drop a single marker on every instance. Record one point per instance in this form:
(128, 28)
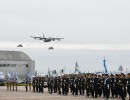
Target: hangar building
(16, 61)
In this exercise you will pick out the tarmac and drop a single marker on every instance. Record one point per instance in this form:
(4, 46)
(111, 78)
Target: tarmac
(21, 94)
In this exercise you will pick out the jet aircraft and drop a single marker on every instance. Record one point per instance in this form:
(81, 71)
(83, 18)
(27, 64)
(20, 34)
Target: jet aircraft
(50, 48)
(20, 45)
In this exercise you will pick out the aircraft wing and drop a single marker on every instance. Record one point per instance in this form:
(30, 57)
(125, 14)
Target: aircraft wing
(39, 38)
(57, 38)
(35, 37)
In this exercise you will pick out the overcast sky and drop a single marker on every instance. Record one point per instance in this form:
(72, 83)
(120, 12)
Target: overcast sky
(92, 29)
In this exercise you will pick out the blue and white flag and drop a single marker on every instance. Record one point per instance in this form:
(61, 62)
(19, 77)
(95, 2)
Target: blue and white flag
(105, 67)
(54, 73)
(79, 72)
(49, 72)
(8, 76)
(16, 77)
(29, 76)
(77, 69)
(62, 72)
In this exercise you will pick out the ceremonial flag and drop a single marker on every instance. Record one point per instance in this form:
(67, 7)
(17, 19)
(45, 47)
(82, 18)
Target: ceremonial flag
(35, 74)
(8, 75)
(77, 68)
(49, 72)
(16, 76)
(104, 64)
(62, 72)
(54, 73)
(79, 72)
(29, 76)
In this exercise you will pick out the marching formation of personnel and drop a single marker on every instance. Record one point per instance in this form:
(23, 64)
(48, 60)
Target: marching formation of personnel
(38, 84)
(28, 83)
(93, 85)
(12, 84)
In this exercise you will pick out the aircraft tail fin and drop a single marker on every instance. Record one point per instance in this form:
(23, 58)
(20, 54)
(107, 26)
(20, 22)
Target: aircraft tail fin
(43, 35)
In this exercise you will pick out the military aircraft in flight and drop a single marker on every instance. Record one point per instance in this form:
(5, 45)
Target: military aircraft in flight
(20, 45)
(49, 39)
(50, 48)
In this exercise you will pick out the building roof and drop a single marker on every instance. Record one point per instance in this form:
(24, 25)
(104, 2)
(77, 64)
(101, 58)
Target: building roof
(14, 55)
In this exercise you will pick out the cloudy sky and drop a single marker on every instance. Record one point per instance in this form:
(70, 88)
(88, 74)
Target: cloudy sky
(92, 29)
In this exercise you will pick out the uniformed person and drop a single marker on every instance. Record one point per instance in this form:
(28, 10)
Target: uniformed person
(103, 88)
(59, 84)
(82, 85)
(13, 82)
(51, 84)
(122, 86)
(112, 86)
(128, 84)
(116, 85)
(107, 86)
(39, 84)
(67, 85)
(29, 82)
(16, 84)
(87, 84)
(33, 84)
(48, 84)
(55, 84)
(7, 83)
(76, 85)
(10, 83)
(96, 85)
(65, 82)
(26, 83)
(42, 84)
(99, 85)
(72, 84)
(92, 85)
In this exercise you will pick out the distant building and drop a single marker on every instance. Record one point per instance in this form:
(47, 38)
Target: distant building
(16, 61)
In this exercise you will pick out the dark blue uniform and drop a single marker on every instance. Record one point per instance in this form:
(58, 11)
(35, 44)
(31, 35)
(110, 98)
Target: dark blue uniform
(107, 88)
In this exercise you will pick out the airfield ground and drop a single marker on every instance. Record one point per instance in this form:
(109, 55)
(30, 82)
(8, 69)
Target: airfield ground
(21, 94)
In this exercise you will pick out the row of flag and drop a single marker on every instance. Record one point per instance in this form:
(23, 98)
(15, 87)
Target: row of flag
(77, 70)
(10, 75)
(54, 73)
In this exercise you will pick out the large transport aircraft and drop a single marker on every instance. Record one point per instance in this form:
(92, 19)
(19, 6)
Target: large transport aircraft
(49, 39)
